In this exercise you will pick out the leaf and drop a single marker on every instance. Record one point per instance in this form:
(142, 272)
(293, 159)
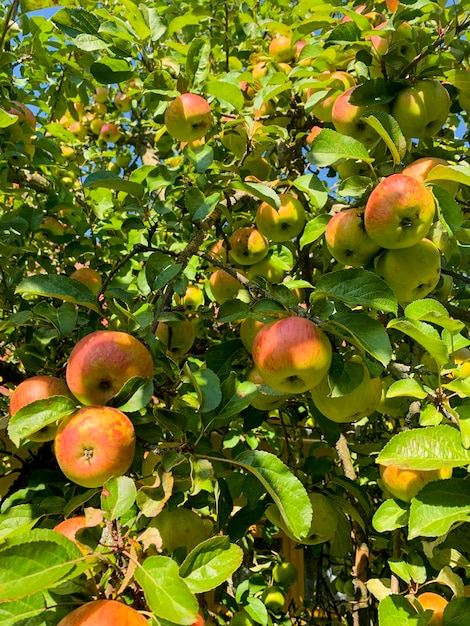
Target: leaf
(313, 230)
(406, 388)
(60, 287)
(75, 21)
(357, 287)
(429, 448)
(388, 129)
(314, 188)
(167, 594)
(457, 612)
(18, 520)
(286, 490)
(425, 335)
(236, 396)
(438, 506)
(134, 395)
(22, 611)
(227, 92)
(390, 515)
(429, 310)
(211, 563)
(7, 119)
(395, 610)
(207, 385)
(37, 415)
(458, 173)
(262, 192)
(118, 497)
(202, 475)
(344, 376)
(364, 332)
(109, 180)
(329, 147)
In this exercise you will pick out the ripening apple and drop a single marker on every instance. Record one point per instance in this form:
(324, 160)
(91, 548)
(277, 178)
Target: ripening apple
(88, 277)
(110, 133)
(178, 527)
(292, 354)
(422, 168)
(271, 268)
(435, 603)
(188, 117)
(99, 109)
(347, 118)
(248, 246)
(399, 212)
(94, 444)
(281, 224)
(241, 618)
(78, 129)
(192, 298)
(281, 49)
(340, 81)
(96, 124)
(347, 240)
(273, 598)
(224, 286)
(123, 102)
(35, 388)
(103, 612)
(177, 337)
(421, 109)
(412, 273)
(101, 95)
(102, 362)
(69, 528)
(405, 484)
(352, 406)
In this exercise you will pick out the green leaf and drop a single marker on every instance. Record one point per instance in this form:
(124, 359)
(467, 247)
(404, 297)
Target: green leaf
(109, 180)
(207, 385)
(313, 230)
(458, 173)
(109, 71)
(75, 21)
(199, 205)
(438, 506)
(167, 594)
(18, 520)
(463, 412)
(390, 515)
(22, 611)
(429, 310)
(457, 612)
(262, 192)
(7, 119)
(198, 60)
(344, 376)
(365, 333)
(211, 563)
(227, 92)
(37, 415)
(330, 146)
(285, 489)
(60, 287)
(34, 562)
(134, 395)
(357, 287)
(406, 388)
(425, 334)
(395, 610)
(236, 396)
(388, 129)
(429, 448)
(118, 497)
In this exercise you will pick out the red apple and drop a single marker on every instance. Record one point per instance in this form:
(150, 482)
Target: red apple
(88, 277)
(188, 117)
(248, 246)
(69, 527)
(102, 362)
(102, 613)
(422, 109)
(110, 133)
(347, 240)
(94, 444)
(347, 118)
(399, 212)
(281, 224)
(123, 102)
(292, 354)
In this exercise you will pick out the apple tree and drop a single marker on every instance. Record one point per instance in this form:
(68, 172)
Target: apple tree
(234, 269)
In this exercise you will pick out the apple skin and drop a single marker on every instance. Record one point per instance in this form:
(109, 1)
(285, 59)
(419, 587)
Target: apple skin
(281, 49)
(96, 124)
(346, 118)
(248, 246)
(359, 403)
(180, 527)
(223, 286)
(347, 240)
(421, 168)
(102, 362)
(102, 612)
(192, 299)
(94, 444)
(412, 273)
(281, 224)
(399, 212)
(422, 109)
(88, 277)
(241, 618)
(123, 102)
(270, 269)
(404, 484)
(284, 573)
(69, 527)
(38, 388)
(340, 81)
(292, 354)
(263, 401)
(188, 117)
(273, 598)
(434, 602)
(110, 133)
(178, 337)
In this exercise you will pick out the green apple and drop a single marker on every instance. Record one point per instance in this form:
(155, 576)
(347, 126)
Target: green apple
(270, 268)
(412, 273)
(177, 337)
(264, 401)
(281, 224)
(241, 618)
(179, 527)
(347, 240)
(224, 286)
(248, 246)
(273, 598)
(422, 109)
(399, 212)
(192, 299)
(284, 573)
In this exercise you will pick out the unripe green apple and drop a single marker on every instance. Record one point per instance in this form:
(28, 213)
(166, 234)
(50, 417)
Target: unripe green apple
(178, 527)
(347, 240)
(281, 224)
(405, 484)
(284, 573)
(399, 212)
(269, 268)
(248, 246)
(422, 109)
(274, 599)
(412, 273)
(241, 618)
(177, 337)
(192, 299)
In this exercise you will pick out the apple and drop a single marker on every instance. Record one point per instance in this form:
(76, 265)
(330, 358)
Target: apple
(281, 49)
(101, 95)
(78, 129)
(394, 407)
(435, 603)
(192, 298)
(258, 71)
(96, 124)
(241, 618)
(421, 168)
(339, 82)
(179, 527)
(422, 109)
(110, 133)
(269, 268)
(24, 114)
(281, 224)
(69, 527)
(224, 286)
(88, 277)
(263, 401)
(412, 273)
(405, 484)
(177, 337)
(94, 444)
(347, 118)
(199, 621)
(99, 109)
(188, 117)
(359, 403)
(102, 362)
(52, 225)
(292, 354)
(347, 240)
(284, 573)
(273, 598)
(248, 246)
(123, 102)
(103, 612)
(314, 132)
(399, 212)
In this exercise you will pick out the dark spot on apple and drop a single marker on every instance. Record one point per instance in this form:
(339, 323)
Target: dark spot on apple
(406, 222)
(284, 225)
(349, 252)
(104, 385)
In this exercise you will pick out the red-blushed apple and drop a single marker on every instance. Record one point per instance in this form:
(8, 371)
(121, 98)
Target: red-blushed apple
(104, 613)
(359, 403)
(110, 133)
(248, 246)
(94, 444)
(224, 286)
(347, 240)
(100, 95)
(123, 102)
(292, 354)
(405, 484)
(188, 117)
(24, 114)
(421, 168)
(88, 277)
(78, 129)
(338, 82)
(281, 49)
(347, 118)
(412, 273)
(281, 224)
(102, 362)
(69, 528)
(38, 388)
(421, 109)
(177, 337)
(433, 602)
(399, 212)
